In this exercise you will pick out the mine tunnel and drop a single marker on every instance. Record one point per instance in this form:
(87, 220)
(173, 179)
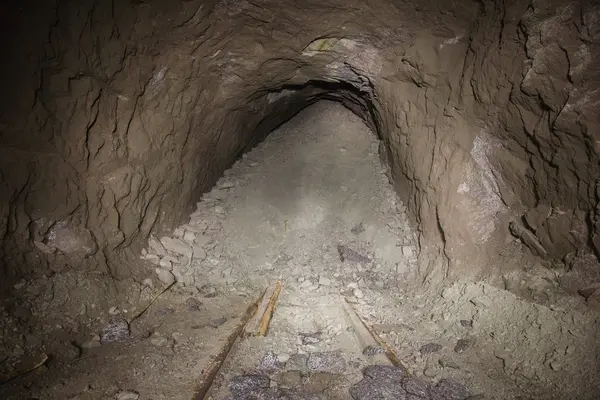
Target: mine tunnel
(233, 199)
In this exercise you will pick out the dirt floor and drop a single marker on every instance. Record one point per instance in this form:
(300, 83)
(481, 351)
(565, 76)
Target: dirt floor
(313, 206)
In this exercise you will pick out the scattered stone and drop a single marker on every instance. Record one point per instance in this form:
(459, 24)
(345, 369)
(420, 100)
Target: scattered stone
(430, 348)
(384, 373)
(176, 246)
(467, 323)
(297, 361)
(430, 372)
(305, 284)
(479, 303)
(317, 382)
(166, 263)
(324, 281)
(20, 285)
(283, 358)
(326, 362)
(310, 338)
(269, 360)
(417, 387)
(226, 185)
(448, 364)
(219, 210)
(407, 251)
(290, 379)
(358, 229)
(127, 395)
(92, 343)
(165, 276)
(153, 258)
(371, 350)
(148, 282)
(179, 232)
(156, 247)
(208, 291)
(189, 236)
(589, 290)
(463, 344)
(448, 389)
(194, 228)
(358, 293)
(115, 331)
(193, 304)
(381, 382)
(159, 341)
(199, 253)
(217, 322)
(44, 248)
(244, 384)
(351, 256)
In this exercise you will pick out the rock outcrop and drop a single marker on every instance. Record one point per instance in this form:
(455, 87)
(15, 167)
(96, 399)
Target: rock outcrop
(117, 116)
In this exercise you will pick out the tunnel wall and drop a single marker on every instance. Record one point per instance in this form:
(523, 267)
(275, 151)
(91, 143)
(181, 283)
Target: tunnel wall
(117, 116)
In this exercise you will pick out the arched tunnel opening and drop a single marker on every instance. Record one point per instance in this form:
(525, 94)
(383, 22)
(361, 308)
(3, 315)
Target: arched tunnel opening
(280, 200)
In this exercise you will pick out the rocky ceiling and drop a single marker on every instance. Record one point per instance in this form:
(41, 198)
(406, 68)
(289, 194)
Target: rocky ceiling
(116, 116)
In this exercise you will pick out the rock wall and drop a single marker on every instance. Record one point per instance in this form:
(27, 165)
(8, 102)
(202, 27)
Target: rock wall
(117, 116)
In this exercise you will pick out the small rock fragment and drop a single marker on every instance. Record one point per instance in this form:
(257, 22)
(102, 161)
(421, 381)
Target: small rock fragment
(92, 343)
(156, 247)
(115, 331)
(19, 285)
(290, 379)
(384, 373)
(269, 360)
(193, 304)
(324, 281)
(159, 341)
(148, 282)
(283, 358)
(448, 389)
(165, 276)
(297, 361)
(176, 246)
(463, 344)
(589, 290)
(243, 384)
(217, 322)
(326, 362)
(467, 323)
(448, 364)
(358, 229)
(430, 348)
(371, 350)
(348, 255)
(310, 338)
(417, 387)
(127, 395)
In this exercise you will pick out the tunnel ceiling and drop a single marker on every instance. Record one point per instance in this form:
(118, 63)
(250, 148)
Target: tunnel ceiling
(118, 115)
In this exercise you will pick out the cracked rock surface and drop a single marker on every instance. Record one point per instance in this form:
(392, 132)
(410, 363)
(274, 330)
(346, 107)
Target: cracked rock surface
(128, 155)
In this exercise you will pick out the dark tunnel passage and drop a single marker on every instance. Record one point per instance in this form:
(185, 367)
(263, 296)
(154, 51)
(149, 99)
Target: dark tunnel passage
(418, 182)
(292, 99)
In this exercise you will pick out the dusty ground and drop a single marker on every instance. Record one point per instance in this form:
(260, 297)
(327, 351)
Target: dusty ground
(313, 206)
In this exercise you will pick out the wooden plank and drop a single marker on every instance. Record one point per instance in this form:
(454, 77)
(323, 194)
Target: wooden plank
(389, 352)
(215, 363)
(266, 318)
(27, 365)
(259, 324)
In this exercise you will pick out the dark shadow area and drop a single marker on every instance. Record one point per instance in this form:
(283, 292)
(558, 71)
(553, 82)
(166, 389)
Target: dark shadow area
(291, 99)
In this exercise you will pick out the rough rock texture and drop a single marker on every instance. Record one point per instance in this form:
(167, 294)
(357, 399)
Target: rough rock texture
(117, 116)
